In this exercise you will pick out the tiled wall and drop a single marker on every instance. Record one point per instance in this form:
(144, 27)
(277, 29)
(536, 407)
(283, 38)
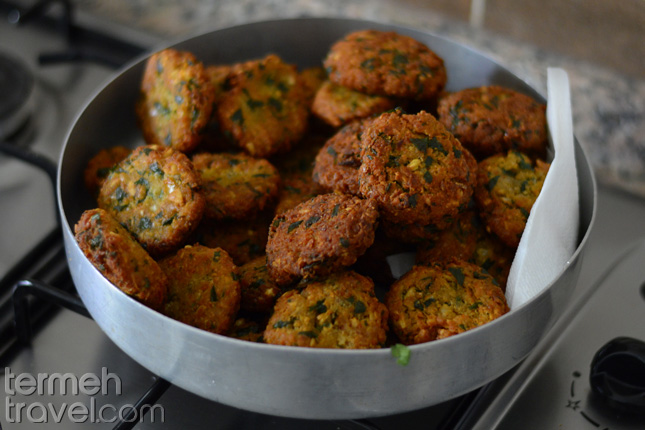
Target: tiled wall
(610, 33)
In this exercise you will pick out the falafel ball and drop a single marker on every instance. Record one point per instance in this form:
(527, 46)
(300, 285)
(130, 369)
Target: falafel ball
(204, 288)
(99, 166)
(441, 300)
(386, 63)
(415, 169)
(336, 165)
(259, 292)
(236, 186)
(156, 194)
(266, 108)
(176, 100)
(337, 105)
(319, 237)
(120, 258)
(508, 185)
(340, 311)
(492, 119)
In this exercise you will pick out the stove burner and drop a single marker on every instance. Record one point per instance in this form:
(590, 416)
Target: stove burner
(17, 85)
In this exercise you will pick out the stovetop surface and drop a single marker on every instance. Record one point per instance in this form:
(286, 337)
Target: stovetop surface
(61, 90)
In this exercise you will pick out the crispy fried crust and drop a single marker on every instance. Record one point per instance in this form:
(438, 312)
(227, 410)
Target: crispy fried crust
(236, 186)
(259, 292)
(265, 109)
(508, 185)
(312, 78)
(340, 311)
(176, 100)
(441, 300)
(155, 193)
(491, 120)
(204, 289)
(415, 169)
(457, 241)
(213, 139)
(336, 165)
(243, 240)
(467, 239)
(99, 166)
(387, 64)
(320, 236)
(120, 258)
(338, 105)
(297, 185)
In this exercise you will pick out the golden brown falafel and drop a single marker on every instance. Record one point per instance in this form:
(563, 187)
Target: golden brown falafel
(508, 185)
(339, 311)
(155, 193)
(265, 110)
(99, 166)
(320, 236)
(176, 100)
(441, 300)
(337, 105)
(236, 186)
(490, 120)
(387, 64)
(204, 288)
(415, 169)
(120, 258)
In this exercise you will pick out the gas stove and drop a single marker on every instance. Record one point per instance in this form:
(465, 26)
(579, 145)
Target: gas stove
(46, 75)
(47, 335)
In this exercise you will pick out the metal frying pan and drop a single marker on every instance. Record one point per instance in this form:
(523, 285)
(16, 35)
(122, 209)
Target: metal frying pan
(293, 381)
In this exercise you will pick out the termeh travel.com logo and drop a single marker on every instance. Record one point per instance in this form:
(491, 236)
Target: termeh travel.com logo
(59, 397)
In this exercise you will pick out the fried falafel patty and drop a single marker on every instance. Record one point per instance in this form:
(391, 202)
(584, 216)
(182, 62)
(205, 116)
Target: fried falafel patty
(259, 292)
(386, 64)
(155, 193)
(218, 75)
(297, 184)
(468, 240)
(312, 78)
(340, 311)
(99, 166)
(176, 100)
(120, 258)
(204, 288)
(336, 165)
(491, 120)
(243, 240)
(441, 300)
(338, 105)
(236, 186)
(320, 236)
(507, 186)
(265, 109)
(494, 256)
(457, 241)
(415, 169)
(296, 188)
(213, 139)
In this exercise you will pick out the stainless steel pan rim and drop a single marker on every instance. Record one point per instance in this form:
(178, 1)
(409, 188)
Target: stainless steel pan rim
(291, 381)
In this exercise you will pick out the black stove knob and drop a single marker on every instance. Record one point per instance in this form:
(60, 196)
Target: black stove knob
(618, 374)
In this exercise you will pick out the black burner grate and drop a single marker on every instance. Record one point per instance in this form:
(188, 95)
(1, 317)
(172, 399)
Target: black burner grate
(17, 85)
